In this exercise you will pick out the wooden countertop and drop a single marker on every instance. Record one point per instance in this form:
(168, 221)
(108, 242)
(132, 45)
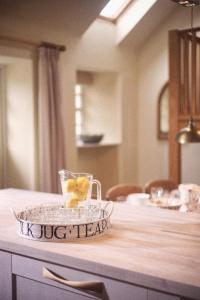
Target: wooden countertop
(155, 248)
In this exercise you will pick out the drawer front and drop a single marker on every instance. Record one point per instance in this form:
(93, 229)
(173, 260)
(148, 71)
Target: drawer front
(112, 289)
(5, 276)
(34, 290)
(154, 295)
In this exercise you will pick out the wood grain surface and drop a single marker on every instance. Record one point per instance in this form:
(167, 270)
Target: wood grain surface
(151, 247)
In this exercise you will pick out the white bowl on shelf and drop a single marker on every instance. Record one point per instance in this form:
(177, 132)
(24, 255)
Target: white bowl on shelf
(91, 138)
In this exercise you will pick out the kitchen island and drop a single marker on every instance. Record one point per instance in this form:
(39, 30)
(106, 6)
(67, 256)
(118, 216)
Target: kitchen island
(148, 254)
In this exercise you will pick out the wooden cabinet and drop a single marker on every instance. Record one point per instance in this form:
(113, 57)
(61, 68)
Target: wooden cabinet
(5, 276)
(23, 278)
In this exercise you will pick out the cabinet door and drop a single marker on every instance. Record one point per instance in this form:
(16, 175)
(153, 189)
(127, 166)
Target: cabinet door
(33, 290)
(153, 295)
(5, 276)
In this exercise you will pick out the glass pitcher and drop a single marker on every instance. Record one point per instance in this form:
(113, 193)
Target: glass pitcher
(77, 187)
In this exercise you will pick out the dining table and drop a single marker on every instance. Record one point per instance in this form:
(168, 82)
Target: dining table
(174, 200)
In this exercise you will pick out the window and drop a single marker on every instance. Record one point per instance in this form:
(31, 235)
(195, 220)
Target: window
(78, 108)
(114, 9)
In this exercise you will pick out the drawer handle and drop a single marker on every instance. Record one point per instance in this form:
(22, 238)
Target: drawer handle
(85, 285)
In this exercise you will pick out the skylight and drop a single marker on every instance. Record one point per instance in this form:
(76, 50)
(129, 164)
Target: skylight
(114, 8)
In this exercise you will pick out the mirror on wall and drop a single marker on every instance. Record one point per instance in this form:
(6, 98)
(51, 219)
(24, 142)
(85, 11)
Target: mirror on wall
(163, 112)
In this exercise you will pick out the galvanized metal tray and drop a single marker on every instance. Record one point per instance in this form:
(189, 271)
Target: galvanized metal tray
(54, 223)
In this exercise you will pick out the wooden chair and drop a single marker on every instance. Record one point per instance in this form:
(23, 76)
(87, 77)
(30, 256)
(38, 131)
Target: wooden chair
(166, 184)
(122, 190)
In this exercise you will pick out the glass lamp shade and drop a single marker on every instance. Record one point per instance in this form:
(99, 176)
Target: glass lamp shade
(188, 134)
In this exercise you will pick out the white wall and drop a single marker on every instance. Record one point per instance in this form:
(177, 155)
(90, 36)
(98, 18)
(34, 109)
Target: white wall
(152, 60)
(191, 166)
(96, 52)
(19, 123)
(152, 74)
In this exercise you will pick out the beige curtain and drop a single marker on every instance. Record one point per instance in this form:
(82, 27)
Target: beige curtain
(51, 146)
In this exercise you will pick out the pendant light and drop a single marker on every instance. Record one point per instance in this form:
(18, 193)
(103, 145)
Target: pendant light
(190, 133)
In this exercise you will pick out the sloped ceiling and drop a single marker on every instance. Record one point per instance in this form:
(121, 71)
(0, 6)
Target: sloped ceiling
(72, 16)
(157, 14)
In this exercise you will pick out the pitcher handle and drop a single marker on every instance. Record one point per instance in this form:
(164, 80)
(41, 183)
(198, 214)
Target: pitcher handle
(98, 185)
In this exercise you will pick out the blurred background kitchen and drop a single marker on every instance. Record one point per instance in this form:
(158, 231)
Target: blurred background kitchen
(110, 77)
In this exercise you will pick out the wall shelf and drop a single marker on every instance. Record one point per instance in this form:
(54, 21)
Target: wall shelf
(95, 145)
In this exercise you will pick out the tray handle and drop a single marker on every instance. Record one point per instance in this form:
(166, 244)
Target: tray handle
(14, 214)
(109, 206)
(94, 286)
